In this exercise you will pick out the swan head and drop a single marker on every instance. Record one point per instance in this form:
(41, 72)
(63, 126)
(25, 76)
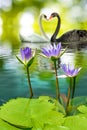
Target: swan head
(43, 16)
(54, 14)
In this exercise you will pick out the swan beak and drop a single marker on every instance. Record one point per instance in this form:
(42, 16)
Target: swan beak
(50, 17)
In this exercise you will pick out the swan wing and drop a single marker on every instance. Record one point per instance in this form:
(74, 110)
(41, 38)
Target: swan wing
(73, 36)
(33, 38)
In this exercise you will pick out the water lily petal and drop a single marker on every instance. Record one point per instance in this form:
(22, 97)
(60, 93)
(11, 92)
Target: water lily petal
(70, 71)
(52, 51)
(28, 53)
(45, 52)
(22, 54)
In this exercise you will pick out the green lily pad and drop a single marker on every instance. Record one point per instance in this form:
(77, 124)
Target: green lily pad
(15, 112)
(77, 101)
(76, 123)
(22, 111)
(83, 109)
(51, 118)
(54, 127)
(6, 126)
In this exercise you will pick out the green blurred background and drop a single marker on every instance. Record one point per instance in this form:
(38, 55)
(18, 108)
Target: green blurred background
(21, 16)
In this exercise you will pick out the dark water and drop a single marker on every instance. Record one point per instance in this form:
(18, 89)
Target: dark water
(13, 77)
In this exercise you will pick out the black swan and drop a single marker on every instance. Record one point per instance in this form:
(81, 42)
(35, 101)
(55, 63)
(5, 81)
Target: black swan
(70, 36)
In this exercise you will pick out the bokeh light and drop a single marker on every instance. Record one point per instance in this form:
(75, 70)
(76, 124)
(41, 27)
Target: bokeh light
(1, 23)
(26, 22)
(5, 4)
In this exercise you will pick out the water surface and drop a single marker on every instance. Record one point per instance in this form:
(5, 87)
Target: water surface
(13, 77)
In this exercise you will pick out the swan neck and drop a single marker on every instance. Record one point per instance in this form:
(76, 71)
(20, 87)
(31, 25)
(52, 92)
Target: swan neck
(53, 38)
(41, 28)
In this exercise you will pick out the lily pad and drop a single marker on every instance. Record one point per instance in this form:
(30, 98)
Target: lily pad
(83, 109)
(77, 101)
(76, 123)
(6, 126)
(21, 111)
(54, 127)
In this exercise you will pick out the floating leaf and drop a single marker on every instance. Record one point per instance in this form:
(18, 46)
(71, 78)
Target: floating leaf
(39, 114)
(53, 117)
(55, 127)
(21, 111)
(76, 123)
(83, 109)
(16, 112)
(6, 126)
(77, 101)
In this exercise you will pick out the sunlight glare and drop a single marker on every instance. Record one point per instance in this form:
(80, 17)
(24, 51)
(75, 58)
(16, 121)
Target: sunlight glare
(1, 22)
(0, 30)
(6, 4)
(26, 22)
(67, 58)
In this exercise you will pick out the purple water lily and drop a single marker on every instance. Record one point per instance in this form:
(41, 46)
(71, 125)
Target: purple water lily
(52, 51)
(26, 53)
(27, 56)
(70, 71)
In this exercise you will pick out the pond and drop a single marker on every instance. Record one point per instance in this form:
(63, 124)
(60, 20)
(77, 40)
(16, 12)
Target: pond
(13, 77)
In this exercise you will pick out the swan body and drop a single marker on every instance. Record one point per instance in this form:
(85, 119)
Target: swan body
(73, 36)
(35, 38)
(70, 36)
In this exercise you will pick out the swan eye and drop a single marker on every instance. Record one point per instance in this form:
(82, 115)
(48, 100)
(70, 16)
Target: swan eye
(45, 16)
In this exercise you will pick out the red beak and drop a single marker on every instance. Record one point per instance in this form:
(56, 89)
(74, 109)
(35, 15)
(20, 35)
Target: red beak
(50, 17)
